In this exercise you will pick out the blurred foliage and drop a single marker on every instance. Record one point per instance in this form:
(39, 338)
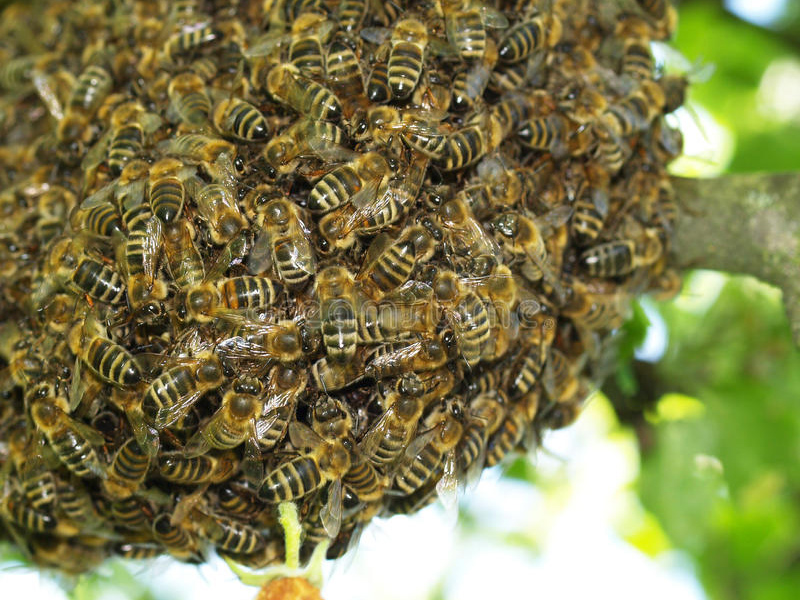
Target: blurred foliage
(741, 52)
(718, 418)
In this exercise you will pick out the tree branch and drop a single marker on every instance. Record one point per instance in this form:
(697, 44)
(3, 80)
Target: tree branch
(747, 223)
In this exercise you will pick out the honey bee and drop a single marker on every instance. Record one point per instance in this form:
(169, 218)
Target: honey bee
(514, 428)
(635, 112)
(364, 176)
(106, 359)
(72, 441)
(465, 312)
(309, 31)
(232, 297)
(367, 216)
(527, 36)
(388, 263)
(170, 395)
(98, 216)
(464, 235)
(529, 362)
(127, 471)
(307, 97)
(90, 89)
(183, 259)
(188, 39)
(591, 207)
(284, 387)
(15, 512)
(596, 307)
(283, 242)
(189, 99)
(351, 14)
(130, 514)
(216, 156)
(82, 274)
(229, 535)
(37, 482)
(465, 25)
(637, 61)
(130, 123)
(431, 456)
(378, 90)
(559, 381)
(306, 138)
(167, 192)
(216, 204)
(322, 461)
(663, 14)
(330, 376)
(176, 467)
(331, 419)
(481, 135)
(338, 300)
(391, 433)
(177, 539)
(497, 187)
(522, 237)
(620, 257)
(240, 119)
(418, 129)
(395, 358)
(234, 421)
(408, 43)
(485, 415)
(610, 151)
(344, 74)
(469, 85)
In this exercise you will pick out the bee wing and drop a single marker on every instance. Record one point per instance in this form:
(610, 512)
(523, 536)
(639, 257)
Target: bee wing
(554, 218)
(48, 96)
(186, 505)
(328, 151)
(418, 443)
(302, 436)
(363, 199)
(259, 261)
(423, 116)
(381, 242)
(77, 386)
(169, 415)
(266, 44)
(146, 436)
(376, 35)
(252, 466)
(232, 254)
(264, 424)
(331, 514)
(373, 437)
(94, 437)
(151, 247)
(447, 486)
(493, 18)
(239, 348)
(101, 196)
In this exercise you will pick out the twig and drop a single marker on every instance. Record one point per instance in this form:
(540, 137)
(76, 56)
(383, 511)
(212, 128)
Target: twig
(748, 224)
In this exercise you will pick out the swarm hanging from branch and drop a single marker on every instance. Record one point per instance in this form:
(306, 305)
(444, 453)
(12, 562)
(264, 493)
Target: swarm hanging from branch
(337, 254)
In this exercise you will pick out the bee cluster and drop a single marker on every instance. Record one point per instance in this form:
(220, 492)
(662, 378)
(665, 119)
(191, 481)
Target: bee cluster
(337, 253)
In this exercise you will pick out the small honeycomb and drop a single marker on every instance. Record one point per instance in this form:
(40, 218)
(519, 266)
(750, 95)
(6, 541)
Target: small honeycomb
(341, 254)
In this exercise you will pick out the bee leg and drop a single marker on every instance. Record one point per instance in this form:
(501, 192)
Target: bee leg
(290, 569)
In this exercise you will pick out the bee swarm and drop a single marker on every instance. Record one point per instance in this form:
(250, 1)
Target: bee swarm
(336, 253)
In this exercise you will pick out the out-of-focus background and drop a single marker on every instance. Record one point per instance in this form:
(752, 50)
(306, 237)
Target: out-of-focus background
(681, 480)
